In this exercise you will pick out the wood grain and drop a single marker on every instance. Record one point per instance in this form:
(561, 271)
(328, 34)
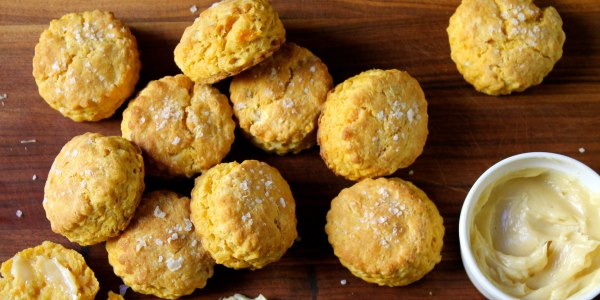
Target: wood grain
(469, 131)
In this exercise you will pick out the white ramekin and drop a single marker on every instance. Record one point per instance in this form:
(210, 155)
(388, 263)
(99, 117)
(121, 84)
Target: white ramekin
(586, 176)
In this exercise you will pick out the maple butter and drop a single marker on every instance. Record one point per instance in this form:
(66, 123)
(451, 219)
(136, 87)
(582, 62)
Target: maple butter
(536, 235)
(49, 269)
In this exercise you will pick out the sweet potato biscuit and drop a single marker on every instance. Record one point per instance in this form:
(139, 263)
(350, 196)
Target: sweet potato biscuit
(373, 124)
(385, 231)
(244, 214)
(86, 64)
(93, 187)
(279, 101)
(159, 253)
(227, 38)
(48, 271)
(504, 46)
(183, 128)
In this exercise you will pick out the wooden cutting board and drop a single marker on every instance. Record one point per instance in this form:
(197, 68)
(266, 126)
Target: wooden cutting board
(469, 131)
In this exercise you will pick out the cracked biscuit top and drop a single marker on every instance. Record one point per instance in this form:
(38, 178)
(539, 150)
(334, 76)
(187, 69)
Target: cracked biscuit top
(227, 38)
(93, 187)
(86, 65)
(183, 128)
(279, 101)
(504, 46)
(373, 124)
(244, 213)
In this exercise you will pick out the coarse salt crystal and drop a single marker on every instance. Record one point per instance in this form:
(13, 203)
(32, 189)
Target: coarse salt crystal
(193, 9)
(411, 172)
(380, 115)
(176, 140)
(28, 141)
(581, 150)
(313, 69)
(288, 103)
(159, 213)
(268, 183)
(343, 282)
(34, 177)
(19, 213)
(140, 244)
(244, 185)
(395, 137)
(188, 224)
(194, 243)
(410, 114)
(3, 96)
(160, 259)
(158, 242)
(282, 202)
(246, 217)
(174, 264)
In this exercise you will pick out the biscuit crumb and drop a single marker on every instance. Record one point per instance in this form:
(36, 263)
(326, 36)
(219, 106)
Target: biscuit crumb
(34, 177)
(581, 150)
(28, 141)
(159, 213)
(19, 213)
(343, 282)
(194, 9)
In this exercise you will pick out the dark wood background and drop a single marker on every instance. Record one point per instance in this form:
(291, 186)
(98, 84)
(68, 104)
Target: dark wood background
(469, 131)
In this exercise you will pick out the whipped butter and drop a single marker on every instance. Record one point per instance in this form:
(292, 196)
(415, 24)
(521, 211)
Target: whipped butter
(536, 235)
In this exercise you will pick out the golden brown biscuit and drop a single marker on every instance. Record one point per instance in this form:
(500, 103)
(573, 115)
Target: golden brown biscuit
(48, 271)
(503, 46)
(86, 64)
(373, 124)
(227, 38)
(159, 253)
(385, 231)
(279, 101)
(244, 214)
(93, 187)
(183, 128)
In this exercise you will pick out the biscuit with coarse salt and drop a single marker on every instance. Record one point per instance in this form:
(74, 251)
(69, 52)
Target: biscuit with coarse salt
(47, 271)
(93, 187)
(373, 124)
(244, 214)
(278, 102)
(504, 46)
(183, 128)
(228, 38)
(385, 231)
(159, 253)
(86, 65)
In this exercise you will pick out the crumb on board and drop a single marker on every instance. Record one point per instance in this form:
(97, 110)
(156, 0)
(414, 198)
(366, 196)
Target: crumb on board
(411, 173)
(343, 282)
(581, 150)
(19, 213)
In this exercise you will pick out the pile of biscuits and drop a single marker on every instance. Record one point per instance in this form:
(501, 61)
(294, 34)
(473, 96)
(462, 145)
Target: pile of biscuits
(242, 215)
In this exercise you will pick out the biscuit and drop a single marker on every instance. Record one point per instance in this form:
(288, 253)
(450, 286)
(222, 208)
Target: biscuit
(47, 271)
(279, 101)
(385, 231)
(373, 124)
(159, 253)
(504, 46)
(86, 64)
(183, 128)
(244, 214)
(93, 187)
(227, 38)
